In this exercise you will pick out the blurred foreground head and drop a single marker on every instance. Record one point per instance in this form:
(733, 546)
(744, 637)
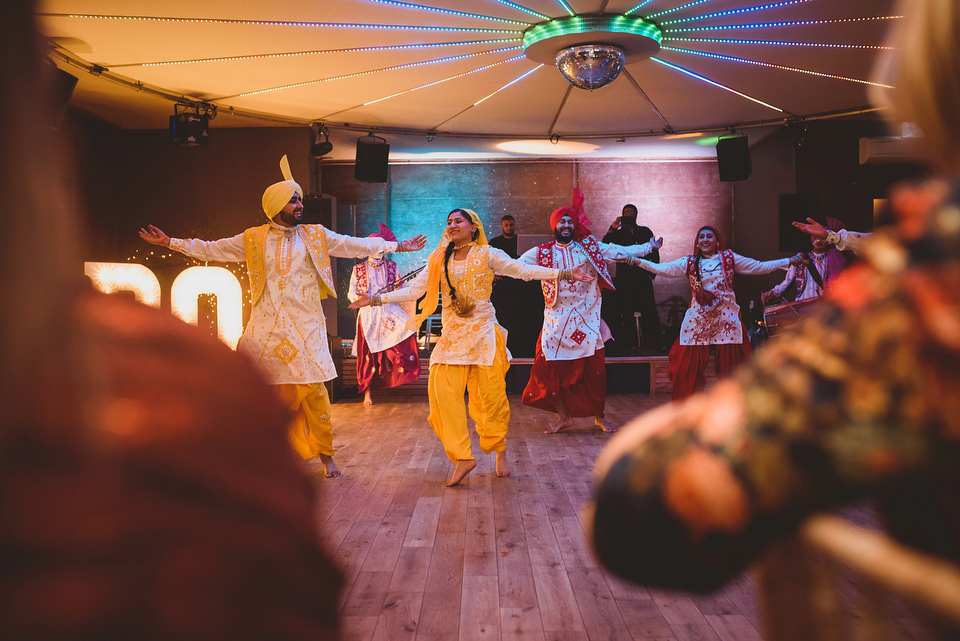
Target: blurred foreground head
(924, 70)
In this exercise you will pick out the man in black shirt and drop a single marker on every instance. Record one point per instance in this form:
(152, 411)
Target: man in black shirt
(519, 304)
(634, 291)
(507, 241)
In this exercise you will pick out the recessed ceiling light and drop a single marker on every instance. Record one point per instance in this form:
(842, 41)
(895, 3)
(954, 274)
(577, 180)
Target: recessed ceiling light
(547, 148)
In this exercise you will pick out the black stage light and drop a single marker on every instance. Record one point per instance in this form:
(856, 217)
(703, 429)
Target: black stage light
(190, 124)
(320, 147)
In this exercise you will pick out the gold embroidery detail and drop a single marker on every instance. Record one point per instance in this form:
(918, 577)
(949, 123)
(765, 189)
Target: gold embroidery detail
(285, 351)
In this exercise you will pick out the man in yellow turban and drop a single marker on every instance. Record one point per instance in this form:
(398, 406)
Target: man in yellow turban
(289, 268)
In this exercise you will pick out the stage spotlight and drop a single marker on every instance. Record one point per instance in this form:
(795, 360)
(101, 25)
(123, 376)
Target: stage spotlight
(320, 147)
(190, 124)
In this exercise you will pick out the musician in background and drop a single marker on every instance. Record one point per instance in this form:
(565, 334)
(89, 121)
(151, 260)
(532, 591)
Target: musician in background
(825, 262)
(385, 348)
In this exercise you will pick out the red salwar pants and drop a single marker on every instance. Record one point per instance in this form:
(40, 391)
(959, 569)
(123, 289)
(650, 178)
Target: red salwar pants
(687, 364)
(580, 384)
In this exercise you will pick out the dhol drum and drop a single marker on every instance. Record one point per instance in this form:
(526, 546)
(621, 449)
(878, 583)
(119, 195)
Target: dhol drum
(778, 318)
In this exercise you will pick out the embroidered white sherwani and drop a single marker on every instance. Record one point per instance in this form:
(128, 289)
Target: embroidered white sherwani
(383, 326)
(572, 327)
(719, 323)
(287, 331)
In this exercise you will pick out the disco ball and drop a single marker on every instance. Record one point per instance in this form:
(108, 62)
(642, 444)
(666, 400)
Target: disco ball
(590, 66)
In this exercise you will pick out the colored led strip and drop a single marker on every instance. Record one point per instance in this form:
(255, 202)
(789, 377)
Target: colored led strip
(317, 52)
(282, 23)
(567, 7)
(681, 7)
(525, 9)
(635, 8)
(778, 43)
(718, 56)
(465, 14)
(468, 108)
(429, 84)
(587, 24)
(367, 73)
(732, 12)
(784, 23)
(693, 74)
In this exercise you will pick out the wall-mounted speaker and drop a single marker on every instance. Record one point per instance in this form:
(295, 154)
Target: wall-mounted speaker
(373, 153)
(733, 158)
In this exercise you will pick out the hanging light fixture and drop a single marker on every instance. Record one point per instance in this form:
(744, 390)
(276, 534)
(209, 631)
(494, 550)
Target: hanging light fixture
(591, 50)
(591, 66)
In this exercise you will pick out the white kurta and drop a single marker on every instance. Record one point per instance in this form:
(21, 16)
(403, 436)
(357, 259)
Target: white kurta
(810, 287)
(572, 327)
(384, 326)
(471, 339)
(719, 323)
(287, 331)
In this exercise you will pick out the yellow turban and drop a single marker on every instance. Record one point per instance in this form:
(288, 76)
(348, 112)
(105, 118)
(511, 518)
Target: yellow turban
(279, 194)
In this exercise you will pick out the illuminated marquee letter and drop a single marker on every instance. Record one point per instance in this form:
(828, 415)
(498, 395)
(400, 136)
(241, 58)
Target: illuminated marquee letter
(194, 281)
(114, 277)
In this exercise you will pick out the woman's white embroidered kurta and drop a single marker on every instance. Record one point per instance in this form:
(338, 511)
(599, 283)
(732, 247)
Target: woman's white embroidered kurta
(719, 323)
(471, 339)
(384, 326)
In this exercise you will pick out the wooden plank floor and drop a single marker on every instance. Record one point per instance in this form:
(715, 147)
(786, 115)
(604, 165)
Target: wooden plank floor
(501, 559)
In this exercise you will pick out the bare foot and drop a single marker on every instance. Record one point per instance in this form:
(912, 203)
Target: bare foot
(330, 469)
(598, 420)
(562, 422)
(367, 399)
(460, 471)
(503, 467)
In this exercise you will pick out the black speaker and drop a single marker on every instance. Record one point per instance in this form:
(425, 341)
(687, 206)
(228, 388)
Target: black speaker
(372, 156)
(796, 207)
(733, 158)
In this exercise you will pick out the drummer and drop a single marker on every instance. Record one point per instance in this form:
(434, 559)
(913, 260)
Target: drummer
(825, 262)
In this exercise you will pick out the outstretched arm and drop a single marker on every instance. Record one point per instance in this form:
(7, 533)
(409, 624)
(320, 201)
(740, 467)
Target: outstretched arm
(154, 236)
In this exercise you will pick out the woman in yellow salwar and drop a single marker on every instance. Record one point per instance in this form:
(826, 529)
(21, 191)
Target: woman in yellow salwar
(471, 354)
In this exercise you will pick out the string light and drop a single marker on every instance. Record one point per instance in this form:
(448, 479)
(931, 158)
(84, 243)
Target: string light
(632, 9)
(718, 56)
(714, 83)
(683, 6)
(462, 111)
(731, 12)
(369, 72)
(422, 7)
(783, 23)
(431, 45)
(778, 43)
(525, 9)
(437, 82)
(283, 23)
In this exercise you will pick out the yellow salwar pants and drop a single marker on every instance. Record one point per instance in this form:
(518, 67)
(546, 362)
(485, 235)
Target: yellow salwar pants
(311, 433)
(489, 408)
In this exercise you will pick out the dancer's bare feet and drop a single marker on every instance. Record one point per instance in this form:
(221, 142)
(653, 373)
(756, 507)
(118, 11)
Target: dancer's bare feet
(367, 398)
(602, 424)
(461, 470)
(330, 469)
(562, 422)
(503, 467)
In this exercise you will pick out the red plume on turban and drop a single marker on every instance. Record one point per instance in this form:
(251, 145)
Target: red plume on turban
(384, 233)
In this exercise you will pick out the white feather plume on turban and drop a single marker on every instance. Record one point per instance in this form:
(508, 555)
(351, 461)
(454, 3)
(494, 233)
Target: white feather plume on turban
(277, 195)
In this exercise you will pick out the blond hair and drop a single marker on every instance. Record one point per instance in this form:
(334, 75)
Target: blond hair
(925, 71)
